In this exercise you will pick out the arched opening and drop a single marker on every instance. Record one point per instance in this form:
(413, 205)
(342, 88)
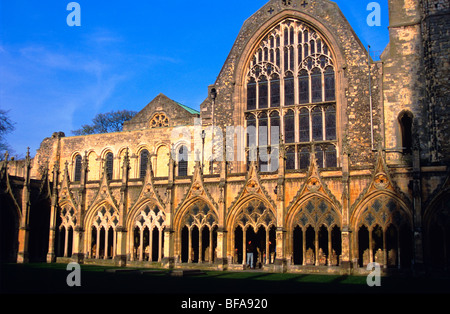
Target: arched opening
(109, 165)
(205, 249)
(377, 245)
(135, 244)
(182, 160)
(8, 232)
(185, 244)
(39, 235)
(146, 244)
(69, 245)
(77, 169)
(406, 247)
(323, 245)
(238, 245)
(155, 246)
(110, 246)
(61, 242)
(310, 238)
(298, 246)
(336, 246)
(143, 160)
(363, 246)
(405, 120)
(438, 248)
(194, 254)
(93, 246)
(250, 245)
(392, 242)
(102, 242)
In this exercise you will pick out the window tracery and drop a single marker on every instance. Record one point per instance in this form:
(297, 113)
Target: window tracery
(159, 120)
(293, 68)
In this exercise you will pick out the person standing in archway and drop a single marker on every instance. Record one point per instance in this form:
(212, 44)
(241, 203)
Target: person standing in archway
(250, 250)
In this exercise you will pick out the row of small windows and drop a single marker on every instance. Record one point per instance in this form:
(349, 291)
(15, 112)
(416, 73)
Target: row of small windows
(182, 158)
(309, 87)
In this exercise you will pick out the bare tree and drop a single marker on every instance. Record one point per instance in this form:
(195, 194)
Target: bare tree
(106, 123)
(6, 127)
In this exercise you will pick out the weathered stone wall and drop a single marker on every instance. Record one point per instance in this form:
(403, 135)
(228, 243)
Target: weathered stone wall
(436, 43)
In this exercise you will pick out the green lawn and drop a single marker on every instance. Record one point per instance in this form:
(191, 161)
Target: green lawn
(51, 278)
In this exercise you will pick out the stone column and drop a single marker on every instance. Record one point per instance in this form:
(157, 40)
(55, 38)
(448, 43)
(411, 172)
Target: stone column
(120, 258)
(168, 260)
(221, 258)
(150, 245)
(316, 246)
(51, 256)
(97, 251)
(24, 229)
(304, 247)
(267, 246)
(244, 247)
(190, 246)
(141, 244)
(200, 246)
(105, 256)
(160, 248)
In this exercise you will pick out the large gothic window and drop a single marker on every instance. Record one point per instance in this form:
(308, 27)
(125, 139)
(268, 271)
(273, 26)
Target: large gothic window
(293, 67)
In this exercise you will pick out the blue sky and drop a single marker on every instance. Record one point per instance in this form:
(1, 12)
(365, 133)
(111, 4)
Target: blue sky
(55, 78)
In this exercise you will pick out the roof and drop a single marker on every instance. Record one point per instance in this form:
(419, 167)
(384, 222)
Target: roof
(190, 110)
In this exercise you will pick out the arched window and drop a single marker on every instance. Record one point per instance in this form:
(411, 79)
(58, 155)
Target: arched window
(274, 125)
(289, 127)
(109, 165)
(251, 130)
(316, 85)
(77, 171)
(304, 158)
(330, 156)
(182, 159)
(290, 157)
(251, 94)
(289, 90)
(406, 121)
(316, 119)
(159, 120)
(330, 94)
(275, 91)
(303, 87)
(303, 120)
(144, 159)
(263, 129)
(263, 88)
(319, 156)
(292, 67)
(330, 123)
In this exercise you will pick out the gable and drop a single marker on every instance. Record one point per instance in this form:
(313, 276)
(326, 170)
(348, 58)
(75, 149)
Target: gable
(162, 112)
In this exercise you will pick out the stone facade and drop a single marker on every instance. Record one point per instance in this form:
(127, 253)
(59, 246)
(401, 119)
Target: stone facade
(345, 187)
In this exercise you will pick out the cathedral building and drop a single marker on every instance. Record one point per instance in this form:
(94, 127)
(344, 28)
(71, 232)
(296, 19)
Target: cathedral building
(305, 150)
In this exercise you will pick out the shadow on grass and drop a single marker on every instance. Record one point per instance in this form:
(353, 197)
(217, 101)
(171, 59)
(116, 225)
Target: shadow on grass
(51, 278)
